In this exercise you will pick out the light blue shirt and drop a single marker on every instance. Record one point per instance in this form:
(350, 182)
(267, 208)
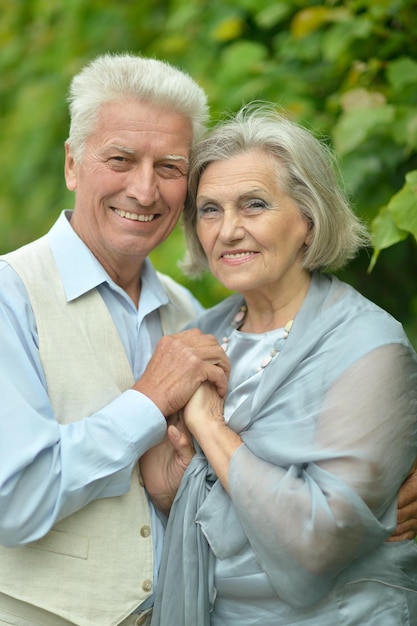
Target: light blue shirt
(38, 484)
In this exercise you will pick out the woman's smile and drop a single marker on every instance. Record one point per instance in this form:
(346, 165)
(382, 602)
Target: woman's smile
(245, 221)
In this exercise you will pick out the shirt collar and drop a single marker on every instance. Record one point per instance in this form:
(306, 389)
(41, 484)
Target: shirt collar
(79, 269)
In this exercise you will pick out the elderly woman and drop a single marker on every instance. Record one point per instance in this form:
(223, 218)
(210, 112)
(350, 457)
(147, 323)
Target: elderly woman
(283, 514)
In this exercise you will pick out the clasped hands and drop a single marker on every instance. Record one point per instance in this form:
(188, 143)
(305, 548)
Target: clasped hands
(179, 367)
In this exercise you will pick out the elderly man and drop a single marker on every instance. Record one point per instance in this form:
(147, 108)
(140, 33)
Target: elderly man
(88, 381)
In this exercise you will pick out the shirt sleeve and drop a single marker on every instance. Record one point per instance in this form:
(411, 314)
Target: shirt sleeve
(307, 522)
(49, 470)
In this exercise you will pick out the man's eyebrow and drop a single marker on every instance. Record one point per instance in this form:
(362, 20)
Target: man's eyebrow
(171, 157)
(114, 146)
(176, 157)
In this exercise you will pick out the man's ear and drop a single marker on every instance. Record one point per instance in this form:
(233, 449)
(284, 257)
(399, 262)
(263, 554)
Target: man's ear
(70, 169)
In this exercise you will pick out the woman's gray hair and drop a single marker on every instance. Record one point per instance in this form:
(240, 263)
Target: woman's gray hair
(306, 170)
(110, 78)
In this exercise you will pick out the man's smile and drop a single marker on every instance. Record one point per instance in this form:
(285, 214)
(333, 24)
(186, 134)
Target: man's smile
(134, 216)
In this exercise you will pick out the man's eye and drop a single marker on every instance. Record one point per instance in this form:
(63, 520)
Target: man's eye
(172, 170)
(117, 161)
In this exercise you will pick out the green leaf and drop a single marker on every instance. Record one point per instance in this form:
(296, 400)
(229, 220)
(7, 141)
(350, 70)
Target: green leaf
(384, 230)
(340, 38)
(404, 129)
(309, 20)
(401, 73)
(403, 205)
(228, 29)
(239, 59)
(396, 221)
(353, 127)
(272, 14)
(411, 179)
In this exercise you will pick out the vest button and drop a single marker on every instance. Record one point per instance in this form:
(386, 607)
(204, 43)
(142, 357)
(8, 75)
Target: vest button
(147, 585)
(145, 531)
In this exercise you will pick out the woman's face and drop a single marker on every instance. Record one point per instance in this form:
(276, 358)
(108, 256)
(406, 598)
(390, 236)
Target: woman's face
(251, 231)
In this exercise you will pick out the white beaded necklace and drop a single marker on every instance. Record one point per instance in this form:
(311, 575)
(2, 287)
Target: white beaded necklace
(237, 322)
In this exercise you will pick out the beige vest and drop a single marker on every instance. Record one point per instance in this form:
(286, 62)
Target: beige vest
(96, 566)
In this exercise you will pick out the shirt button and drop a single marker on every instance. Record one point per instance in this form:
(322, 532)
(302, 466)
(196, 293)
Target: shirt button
(147, 585)
(141, 619)
(145, 530)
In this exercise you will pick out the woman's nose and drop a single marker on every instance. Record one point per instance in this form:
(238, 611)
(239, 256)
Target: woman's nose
(231, 227)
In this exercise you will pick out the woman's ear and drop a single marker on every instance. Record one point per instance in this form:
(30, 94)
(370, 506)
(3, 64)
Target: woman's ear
(309, 235)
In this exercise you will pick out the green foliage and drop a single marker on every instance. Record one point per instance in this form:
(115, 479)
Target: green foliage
(346, 70)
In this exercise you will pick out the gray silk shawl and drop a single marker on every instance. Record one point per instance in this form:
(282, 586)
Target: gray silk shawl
(328, 437)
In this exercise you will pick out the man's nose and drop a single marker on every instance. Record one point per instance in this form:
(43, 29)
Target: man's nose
(142, 184)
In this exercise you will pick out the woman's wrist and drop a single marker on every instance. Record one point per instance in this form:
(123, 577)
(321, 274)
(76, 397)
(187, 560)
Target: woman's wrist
(219, 443)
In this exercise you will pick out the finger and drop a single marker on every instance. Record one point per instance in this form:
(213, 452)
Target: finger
(402, 537)
(217, 376)
(180, 439)
(193, 338)
(408, 491)
(407, 513)
(181, 443)
(406, 496)
(224, 363)
(408, 527)
(174, 435)
(213, 355)
(204, 346)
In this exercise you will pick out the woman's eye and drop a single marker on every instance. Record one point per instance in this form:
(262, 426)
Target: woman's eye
(255, 205)
(207, 210)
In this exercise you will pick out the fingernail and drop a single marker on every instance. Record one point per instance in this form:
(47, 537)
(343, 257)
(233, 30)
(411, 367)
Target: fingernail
(175, 432)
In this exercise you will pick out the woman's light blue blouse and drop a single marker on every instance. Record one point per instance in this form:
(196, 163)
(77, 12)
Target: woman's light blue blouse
(329, 434)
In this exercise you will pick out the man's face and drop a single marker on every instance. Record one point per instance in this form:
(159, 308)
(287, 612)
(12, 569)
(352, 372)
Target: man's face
(130, 184)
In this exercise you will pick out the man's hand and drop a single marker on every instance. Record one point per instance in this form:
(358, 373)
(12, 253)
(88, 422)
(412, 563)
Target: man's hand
(180, 363)
(163, 466)
(407, 509)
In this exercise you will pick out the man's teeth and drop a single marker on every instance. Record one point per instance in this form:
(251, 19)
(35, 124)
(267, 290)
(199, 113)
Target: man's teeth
(134, 216)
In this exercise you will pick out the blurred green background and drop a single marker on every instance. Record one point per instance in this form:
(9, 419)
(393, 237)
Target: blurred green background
(346, 70)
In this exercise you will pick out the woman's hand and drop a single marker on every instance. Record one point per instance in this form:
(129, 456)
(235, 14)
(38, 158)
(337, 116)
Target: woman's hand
(163, 466)
(205, 405)
(203, 415)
